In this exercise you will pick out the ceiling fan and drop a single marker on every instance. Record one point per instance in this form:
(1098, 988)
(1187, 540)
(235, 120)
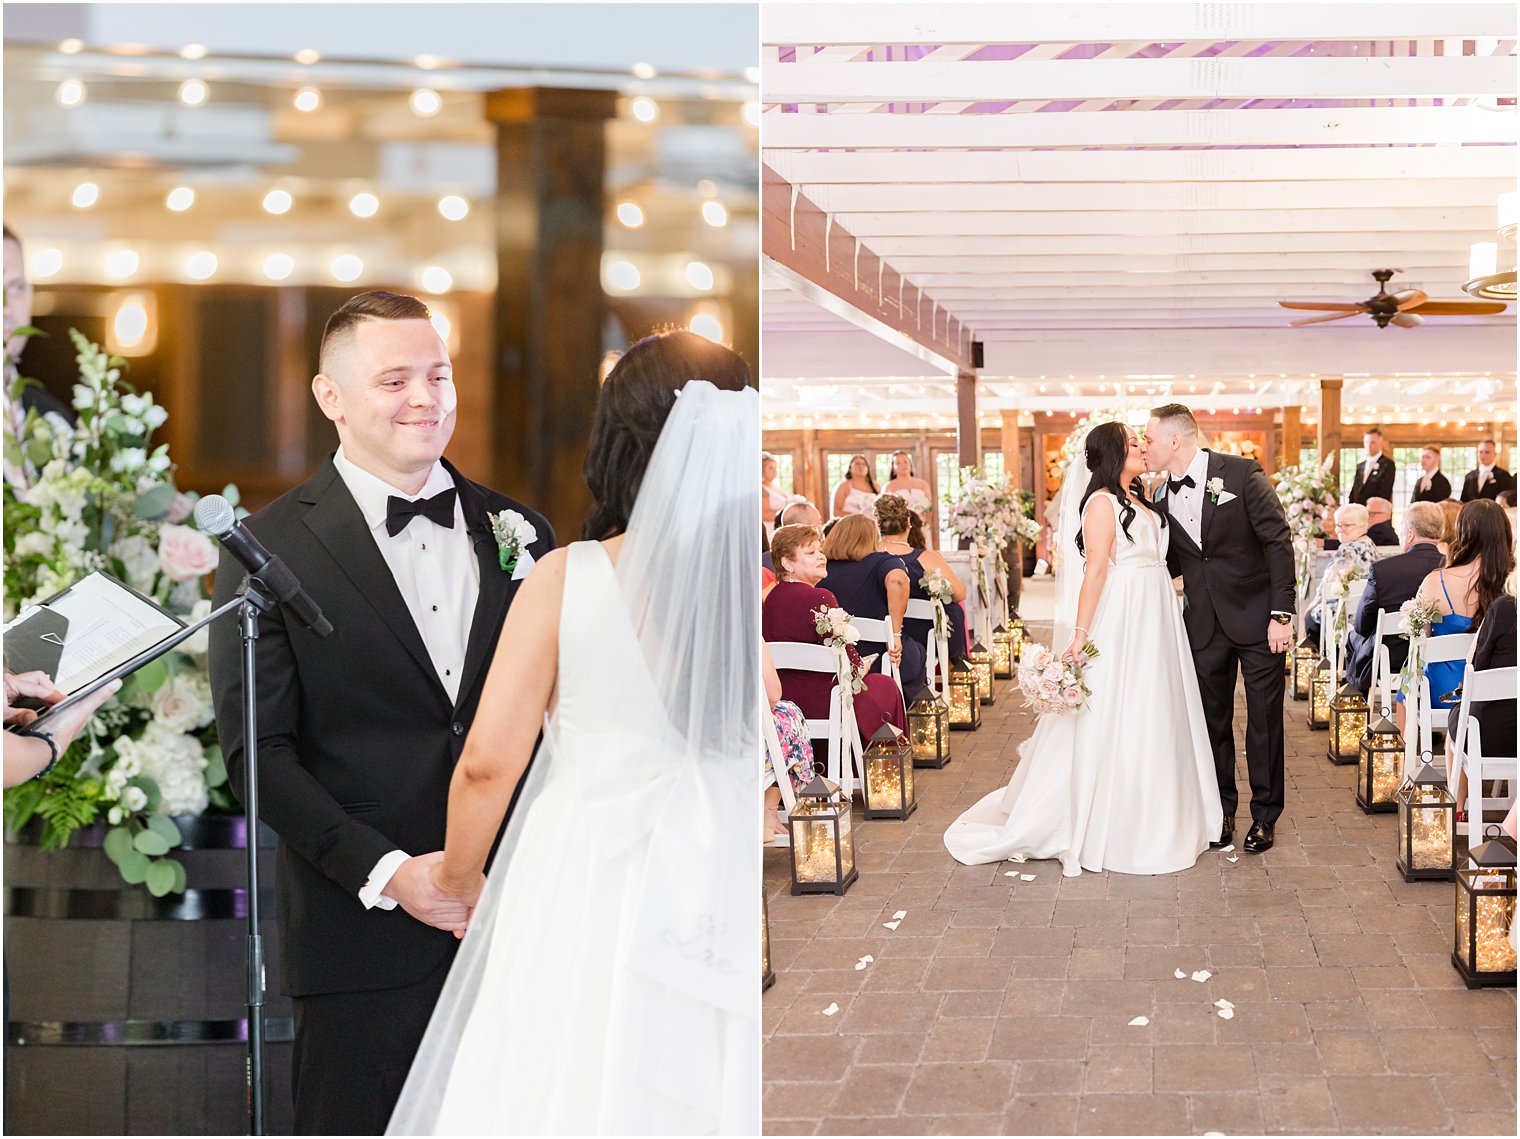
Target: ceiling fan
(1404, 308)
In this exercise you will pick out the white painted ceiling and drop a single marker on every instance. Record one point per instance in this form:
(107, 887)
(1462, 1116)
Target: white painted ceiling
(1108, 191)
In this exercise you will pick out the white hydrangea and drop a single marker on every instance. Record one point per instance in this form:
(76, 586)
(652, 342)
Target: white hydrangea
(36, 542)
(140, 559)
(174, 761)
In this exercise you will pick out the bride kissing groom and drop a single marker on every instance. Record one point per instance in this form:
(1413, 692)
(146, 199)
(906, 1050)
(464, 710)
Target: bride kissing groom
(1083, 792)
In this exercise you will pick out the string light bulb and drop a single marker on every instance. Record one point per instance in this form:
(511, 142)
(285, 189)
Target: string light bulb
(193, 92)
(453, 207)
(71, 93)
(426, 102)
(307, 99)
(180, 199)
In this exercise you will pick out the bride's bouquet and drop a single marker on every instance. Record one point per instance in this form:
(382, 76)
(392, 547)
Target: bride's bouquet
(1052, 685)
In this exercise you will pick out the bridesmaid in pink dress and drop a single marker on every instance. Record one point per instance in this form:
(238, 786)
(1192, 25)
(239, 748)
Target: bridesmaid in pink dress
(787, 615)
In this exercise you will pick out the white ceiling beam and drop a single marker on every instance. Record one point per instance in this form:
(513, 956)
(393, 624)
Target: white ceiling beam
(970, 298)
(1137, 166)
(1398, 243)
(866, 226)
(929, 196)
(1351, 276)
(1298, 77)
(1296, 126)
(926, 268)
(1024, 23)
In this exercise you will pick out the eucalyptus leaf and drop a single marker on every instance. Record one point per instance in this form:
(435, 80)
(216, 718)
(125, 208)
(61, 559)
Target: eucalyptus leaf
(165, 826)
(161, 878)
(39, 451)
(216, 768)
(153, 675)
(231, 494)
(150, 789)
(151, 843)
(134, 868)
(179, 875)
(118, 844)
(13, 454)
(154, 504)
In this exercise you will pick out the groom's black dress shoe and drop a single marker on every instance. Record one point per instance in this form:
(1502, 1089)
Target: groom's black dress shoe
(1259, 838)
(1226, 834)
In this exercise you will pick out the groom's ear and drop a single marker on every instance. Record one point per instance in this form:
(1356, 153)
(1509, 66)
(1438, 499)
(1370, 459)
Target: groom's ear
(325, 389)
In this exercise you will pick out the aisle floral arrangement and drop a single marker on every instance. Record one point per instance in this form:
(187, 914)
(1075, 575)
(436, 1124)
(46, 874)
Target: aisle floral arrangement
(990, 514)
(100, 497)
(1305, 491)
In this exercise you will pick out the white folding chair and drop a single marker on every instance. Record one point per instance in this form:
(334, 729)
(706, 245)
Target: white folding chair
(1452, 646)
(1384, 680)
(935, 662)
(838, 730)
(1467, 749)
(777, 773)
(879, 629)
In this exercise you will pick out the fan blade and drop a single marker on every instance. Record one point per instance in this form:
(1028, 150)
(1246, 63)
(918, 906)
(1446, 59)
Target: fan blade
(1326, 306)
(1460, 308)
(1321, 319)
(1408, 298)
(1406, 320)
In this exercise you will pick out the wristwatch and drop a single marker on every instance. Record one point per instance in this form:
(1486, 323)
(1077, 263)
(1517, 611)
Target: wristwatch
(1283, 618)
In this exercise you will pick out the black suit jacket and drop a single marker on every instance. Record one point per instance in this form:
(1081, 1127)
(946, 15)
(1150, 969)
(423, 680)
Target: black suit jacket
(1379, 484)
(1499, 480)
(1244, 570)
(1440, 489)
(1383, 534)
(1390, 583)
(357, 736)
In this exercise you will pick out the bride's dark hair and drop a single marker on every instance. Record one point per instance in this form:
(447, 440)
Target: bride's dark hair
(631, 411)
(1107, 449)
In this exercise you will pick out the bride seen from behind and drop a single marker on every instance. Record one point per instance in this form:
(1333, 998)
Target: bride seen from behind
(1126, 783)
(605, 983)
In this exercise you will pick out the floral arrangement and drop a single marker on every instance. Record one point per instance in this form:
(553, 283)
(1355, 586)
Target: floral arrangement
(513, 534)
(1416, 616)
(837, 628)
(1052, 685)
(1078, 437)
(937, 586)
(1339, 586)
(100, 497)
(991, 514)
(1304, 493)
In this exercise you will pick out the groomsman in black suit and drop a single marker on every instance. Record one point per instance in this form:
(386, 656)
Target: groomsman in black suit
(1390, 583)
(359, 732)
(1489, 480)
(1374, 474)
(1432, 486)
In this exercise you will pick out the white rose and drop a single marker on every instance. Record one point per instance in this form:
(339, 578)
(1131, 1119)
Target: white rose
(134, 798)
(185, 554)
(154, 417)
(197, 643)
(129, 459)
(139, 559)
(181, 705)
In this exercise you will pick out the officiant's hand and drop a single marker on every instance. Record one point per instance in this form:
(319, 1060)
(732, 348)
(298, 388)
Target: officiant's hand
(416, 890)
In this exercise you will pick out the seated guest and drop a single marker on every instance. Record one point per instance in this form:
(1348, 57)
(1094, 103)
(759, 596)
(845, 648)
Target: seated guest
(896, 520)
(1474, 577)
(1490, 479)
(786, 614)
(1494, 648)
(1506, 498)
(1432, 485)
(1451, 510)
(796, 749)
(1380, 529)
(1390, 583)
(1327, 528)
(872, 583)
(1374, 474)
(1355, 549)
(798, 511)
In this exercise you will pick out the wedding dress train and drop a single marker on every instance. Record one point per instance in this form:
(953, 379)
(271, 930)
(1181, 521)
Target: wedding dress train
(1126, 784)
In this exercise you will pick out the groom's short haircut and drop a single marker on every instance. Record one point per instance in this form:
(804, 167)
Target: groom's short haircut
(1427, 520)
(373, 305)
(1176, 417)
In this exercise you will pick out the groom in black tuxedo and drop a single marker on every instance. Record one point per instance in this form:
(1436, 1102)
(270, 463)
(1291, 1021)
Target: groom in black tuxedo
(1229, 541)
(359, 733)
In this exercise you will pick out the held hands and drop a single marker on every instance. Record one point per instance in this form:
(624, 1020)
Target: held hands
(1279, 636)
(416, 887)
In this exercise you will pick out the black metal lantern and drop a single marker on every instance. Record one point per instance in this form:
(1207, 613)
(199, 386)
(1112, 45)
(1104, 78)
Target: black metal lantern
(1305, 657)
(1019, 633)
(888, 783)
(1321, 690)
(1002, 654)
(929, 729)
(1427, 820)
(1348, 721)
(981, 663)
(1380, 763)
(823, 847)
(965, 706)
(767, 974)
(1483, 954)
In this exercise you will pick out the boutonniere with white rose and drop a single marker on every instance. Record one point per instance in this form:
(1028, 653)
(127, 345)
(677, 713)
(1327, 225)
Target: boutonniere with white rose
(1215, 487)
(513, 534)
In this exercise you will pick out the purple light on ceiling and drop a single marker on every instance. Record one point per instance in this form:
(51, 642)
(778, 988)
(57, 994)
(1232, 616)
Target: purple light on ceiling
(999, 52)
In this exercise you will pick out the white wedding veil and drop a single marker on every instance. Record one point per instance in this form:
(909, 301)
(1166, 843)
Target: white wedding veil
(686, 997)
(1070, 565)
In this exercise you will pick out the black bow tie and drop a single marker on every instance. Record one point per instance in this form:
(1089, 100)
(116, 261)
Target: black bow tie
(400, 511)
(1175, 485)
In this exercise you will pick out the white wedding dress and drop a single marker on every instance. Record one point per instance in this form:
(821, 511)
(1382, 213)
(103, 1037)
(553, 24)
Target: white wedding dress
(607, 984)
(1126, 784)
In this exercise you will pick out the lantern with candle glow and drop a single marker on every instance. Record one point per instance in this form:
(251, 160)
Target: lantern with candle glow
(823, 847)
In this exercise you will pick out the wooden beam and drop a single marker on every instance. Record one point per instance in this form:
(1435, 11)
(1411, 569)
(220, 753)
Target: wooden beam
(1290, 126)
(967, 431)
(799, 236)
(1329, 436)
(1292, 435)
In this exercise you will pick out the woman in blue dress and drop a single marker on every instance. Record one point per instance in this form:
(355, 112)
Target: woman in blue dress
(868, 582)
(895, 519)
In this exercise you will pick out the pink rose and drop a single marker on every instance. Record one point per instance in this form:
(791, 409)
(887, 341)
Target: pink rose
(185, 554)
(179, 509)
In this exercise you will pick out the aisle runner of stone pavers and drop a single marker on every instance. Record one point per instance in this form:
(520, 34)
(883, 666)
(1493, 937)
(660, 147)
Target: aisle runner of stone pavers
(1004, 1006)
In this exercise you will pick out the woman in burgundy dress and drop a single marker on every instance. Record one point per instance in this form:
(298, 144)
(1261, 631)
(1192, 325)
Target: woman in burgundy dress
(787, 615)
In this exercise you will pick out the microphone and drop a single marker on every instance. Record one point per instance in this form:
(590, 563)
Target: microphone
(214, 515)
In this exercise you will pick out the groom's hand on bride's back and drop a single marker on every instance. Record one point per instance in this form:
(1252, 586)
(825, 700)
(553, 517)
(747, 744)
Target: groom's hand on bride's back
(415, 891)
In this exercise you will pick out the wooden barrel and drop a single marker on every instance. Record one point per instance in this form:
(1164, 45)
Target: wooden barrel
(128, 1013)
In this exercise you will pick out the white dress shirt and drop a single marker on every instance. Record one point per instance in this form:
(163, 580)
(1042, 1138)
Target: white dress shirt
(435, 569)
(1186, 503)
(1484, 474)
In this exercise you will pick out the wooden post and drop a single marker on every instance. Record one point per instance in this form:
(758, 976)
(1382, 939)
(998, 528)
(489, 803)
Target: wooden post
(968, 440)
(1293, 436)
(1012, 469)
(550, 309)
(1330, 422)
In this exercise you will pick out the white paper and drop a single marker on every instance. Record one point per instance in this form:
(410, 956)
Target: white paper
(1226, 1014)
(1202, 975)
(108, 626)
(1027, 877)
(892, 924)
(899, 915)
(1140, 1022)
(831, 1010)
(1180, 975)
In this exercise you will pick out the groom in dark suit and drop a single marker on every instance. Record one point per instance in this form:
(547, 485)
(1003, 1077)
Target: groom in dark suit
(1229, 541)
(359, 732)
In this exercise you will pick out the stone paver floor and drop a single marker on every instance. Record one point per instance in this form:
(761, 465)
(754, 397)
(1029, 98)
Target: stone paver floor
(1001, 1006)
